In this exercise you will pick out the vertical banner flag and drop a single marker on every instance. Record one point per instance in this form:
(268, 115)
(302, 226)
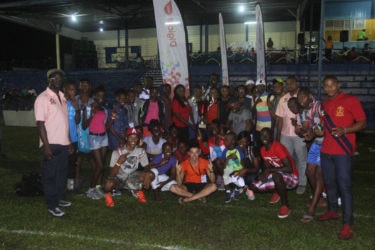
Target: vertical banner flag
(223, 48)
(261, 66)
(172, 43)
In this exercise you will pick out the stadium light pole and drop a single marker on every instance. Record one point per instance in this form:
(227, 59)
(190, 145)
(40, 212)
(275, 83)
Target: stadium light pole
(321, 36)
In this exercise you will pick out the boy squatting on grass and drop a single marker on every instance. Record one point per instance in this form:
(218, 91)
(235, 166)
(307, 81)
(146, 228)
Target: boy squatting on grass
(123, 166)
(279, 172)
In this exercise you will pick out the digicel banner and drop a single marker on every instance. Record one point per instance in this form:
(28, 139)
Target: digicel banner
(172, 43)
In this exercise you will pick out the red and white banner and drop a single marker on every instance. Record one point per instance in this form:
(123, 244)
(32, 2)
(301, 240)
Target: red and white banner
(261, 65)
(172, 43)
(223, 48)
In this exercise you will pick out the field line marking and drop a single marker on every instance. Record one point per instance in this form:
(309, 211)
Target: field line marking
(83, 237)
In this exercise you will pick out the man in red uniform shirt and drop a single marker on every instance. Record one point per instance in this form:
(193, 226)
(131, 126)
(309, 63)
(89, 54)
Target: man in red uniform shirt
(279, 173)
(343, 116)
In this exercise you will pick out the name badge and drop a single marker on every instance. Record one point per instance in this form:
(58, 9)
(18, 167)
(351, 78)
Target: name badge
(203, 178)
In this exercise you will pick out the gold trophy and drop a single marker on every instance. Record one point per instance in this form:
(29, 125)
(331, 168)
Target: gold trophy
(202, 109)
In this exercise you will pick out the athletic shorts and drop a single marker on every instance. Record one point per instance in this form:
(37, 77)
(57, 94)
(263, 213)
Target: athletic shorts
(195, 187)
(314, 154)
(96, 142)
(161, 178)
(130, 182)
(291, 181)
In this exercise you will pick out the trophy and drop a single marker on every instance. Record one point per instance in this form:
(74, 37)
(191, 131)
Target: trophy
(202, 109)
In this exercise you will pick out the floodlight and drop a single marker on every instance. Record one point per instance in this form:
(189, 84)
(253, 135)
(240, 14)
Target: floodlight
(101, 21)
(101, 29)
(73, 18)
(241, 8)
(250, 22)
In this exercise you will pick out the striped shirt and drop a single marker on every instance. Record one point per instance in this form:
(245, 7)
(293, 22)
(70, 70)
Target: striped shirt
(263, 113)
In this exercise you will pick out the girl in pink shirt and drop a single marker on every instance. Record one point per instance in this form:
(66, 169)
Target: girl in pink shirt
(98, 124)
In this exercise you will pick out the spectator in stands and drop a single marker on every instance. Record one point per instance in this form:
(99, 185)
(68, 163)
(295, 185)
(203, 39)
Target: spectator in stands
(224, 107)
(343, 117)
(279, 173)
(51, 115)
(270, 44)
(286, 134)
(155, 141)
(352, 54)
(145, 94)
(84, 99)
(192, 177)
(362, 35)
(367, 52)
(166, 99)
(244, 101)
(181, 112)
(152, 108)
(329, 46)
(252, 51)
(161, 173)
(98, 122)
(74, 118)
(261, 110)
(116, 135)
(5, 96)
(123, 168)
(133, 107)
(310, 119)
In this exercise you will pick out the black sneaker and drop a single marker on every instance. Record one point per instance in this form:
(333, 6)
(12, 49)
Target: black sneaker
(63, 203)
(56, 212)
(236, 196)
(228, 197)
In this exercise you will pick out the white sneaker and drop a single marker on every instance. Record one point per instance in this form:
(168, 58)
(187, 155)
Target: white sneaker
(63, 203)
(91, 193)
(57, 212)
(99, 193)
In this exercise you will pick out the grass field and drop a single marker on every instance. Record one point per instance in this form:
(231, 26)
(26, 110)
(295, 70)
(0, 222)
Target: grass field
(243, 224)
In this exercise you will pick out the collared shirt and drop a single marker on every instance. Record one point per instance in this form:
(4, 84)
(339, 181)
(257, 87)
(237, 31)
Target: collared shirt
(284, 113)
(344, 111)
(54, 114)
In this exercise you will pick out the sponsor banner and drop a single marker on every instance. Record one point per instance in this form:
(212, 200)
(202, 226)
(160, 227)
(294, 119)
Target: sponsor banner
(172, 43)
(261, 66)
(223, 48)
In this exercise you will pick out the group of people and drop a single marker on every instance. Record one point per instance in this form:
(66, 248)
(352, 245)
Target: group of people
(239, 140)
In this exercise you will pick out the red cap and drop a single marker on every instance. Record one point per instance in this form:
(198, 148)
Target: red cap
(132, 131)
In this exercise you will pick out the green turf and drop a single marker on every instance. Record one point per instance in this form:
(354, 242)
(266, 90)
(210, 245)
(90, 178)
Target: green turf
(238, 225)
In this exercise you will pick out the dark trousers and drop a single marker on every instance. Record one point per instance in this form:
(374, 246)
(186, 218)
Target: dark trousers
(337, 175)
(54, 173)
(73, 161)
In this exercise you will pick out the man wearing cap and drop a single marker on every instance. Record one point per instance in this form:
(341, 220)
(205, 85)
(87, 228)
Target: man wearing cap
(260, 108)
(51, 115)
(250, 89)
(123, 166)
(286, 133)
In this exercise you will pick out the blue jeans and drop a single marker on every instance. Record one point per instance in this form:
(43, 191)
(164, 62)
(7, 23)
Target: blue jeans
(54, 173)
(337, 174)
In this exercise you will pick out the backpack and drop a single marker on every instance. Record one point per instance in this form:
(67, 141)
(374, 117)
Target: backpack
(31, 185)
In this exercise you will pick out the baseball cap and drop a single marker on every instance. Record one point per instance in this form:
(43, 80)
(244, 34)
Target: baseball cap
(53, 71)
(260, 82)
(132, 131)
(248, 82)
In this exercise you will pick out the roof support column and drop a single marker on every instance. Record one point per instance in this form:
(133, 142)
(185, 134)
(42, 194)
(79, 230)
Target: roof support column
(206, 33)
(321, 37)
(127, 45)
(58, 60)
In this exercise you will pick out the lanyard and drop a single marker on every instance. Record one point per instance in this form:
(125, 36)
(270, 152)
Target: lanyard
(199, 169)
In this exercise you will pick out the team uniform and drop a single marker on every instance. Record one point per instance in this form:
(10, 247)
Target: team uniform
(274, 156)
(337, 153)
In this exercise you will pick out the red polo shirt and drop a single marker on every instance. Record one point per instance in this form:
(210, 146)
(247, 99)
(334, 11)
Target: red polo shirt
(344, 111)
(184, 112)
